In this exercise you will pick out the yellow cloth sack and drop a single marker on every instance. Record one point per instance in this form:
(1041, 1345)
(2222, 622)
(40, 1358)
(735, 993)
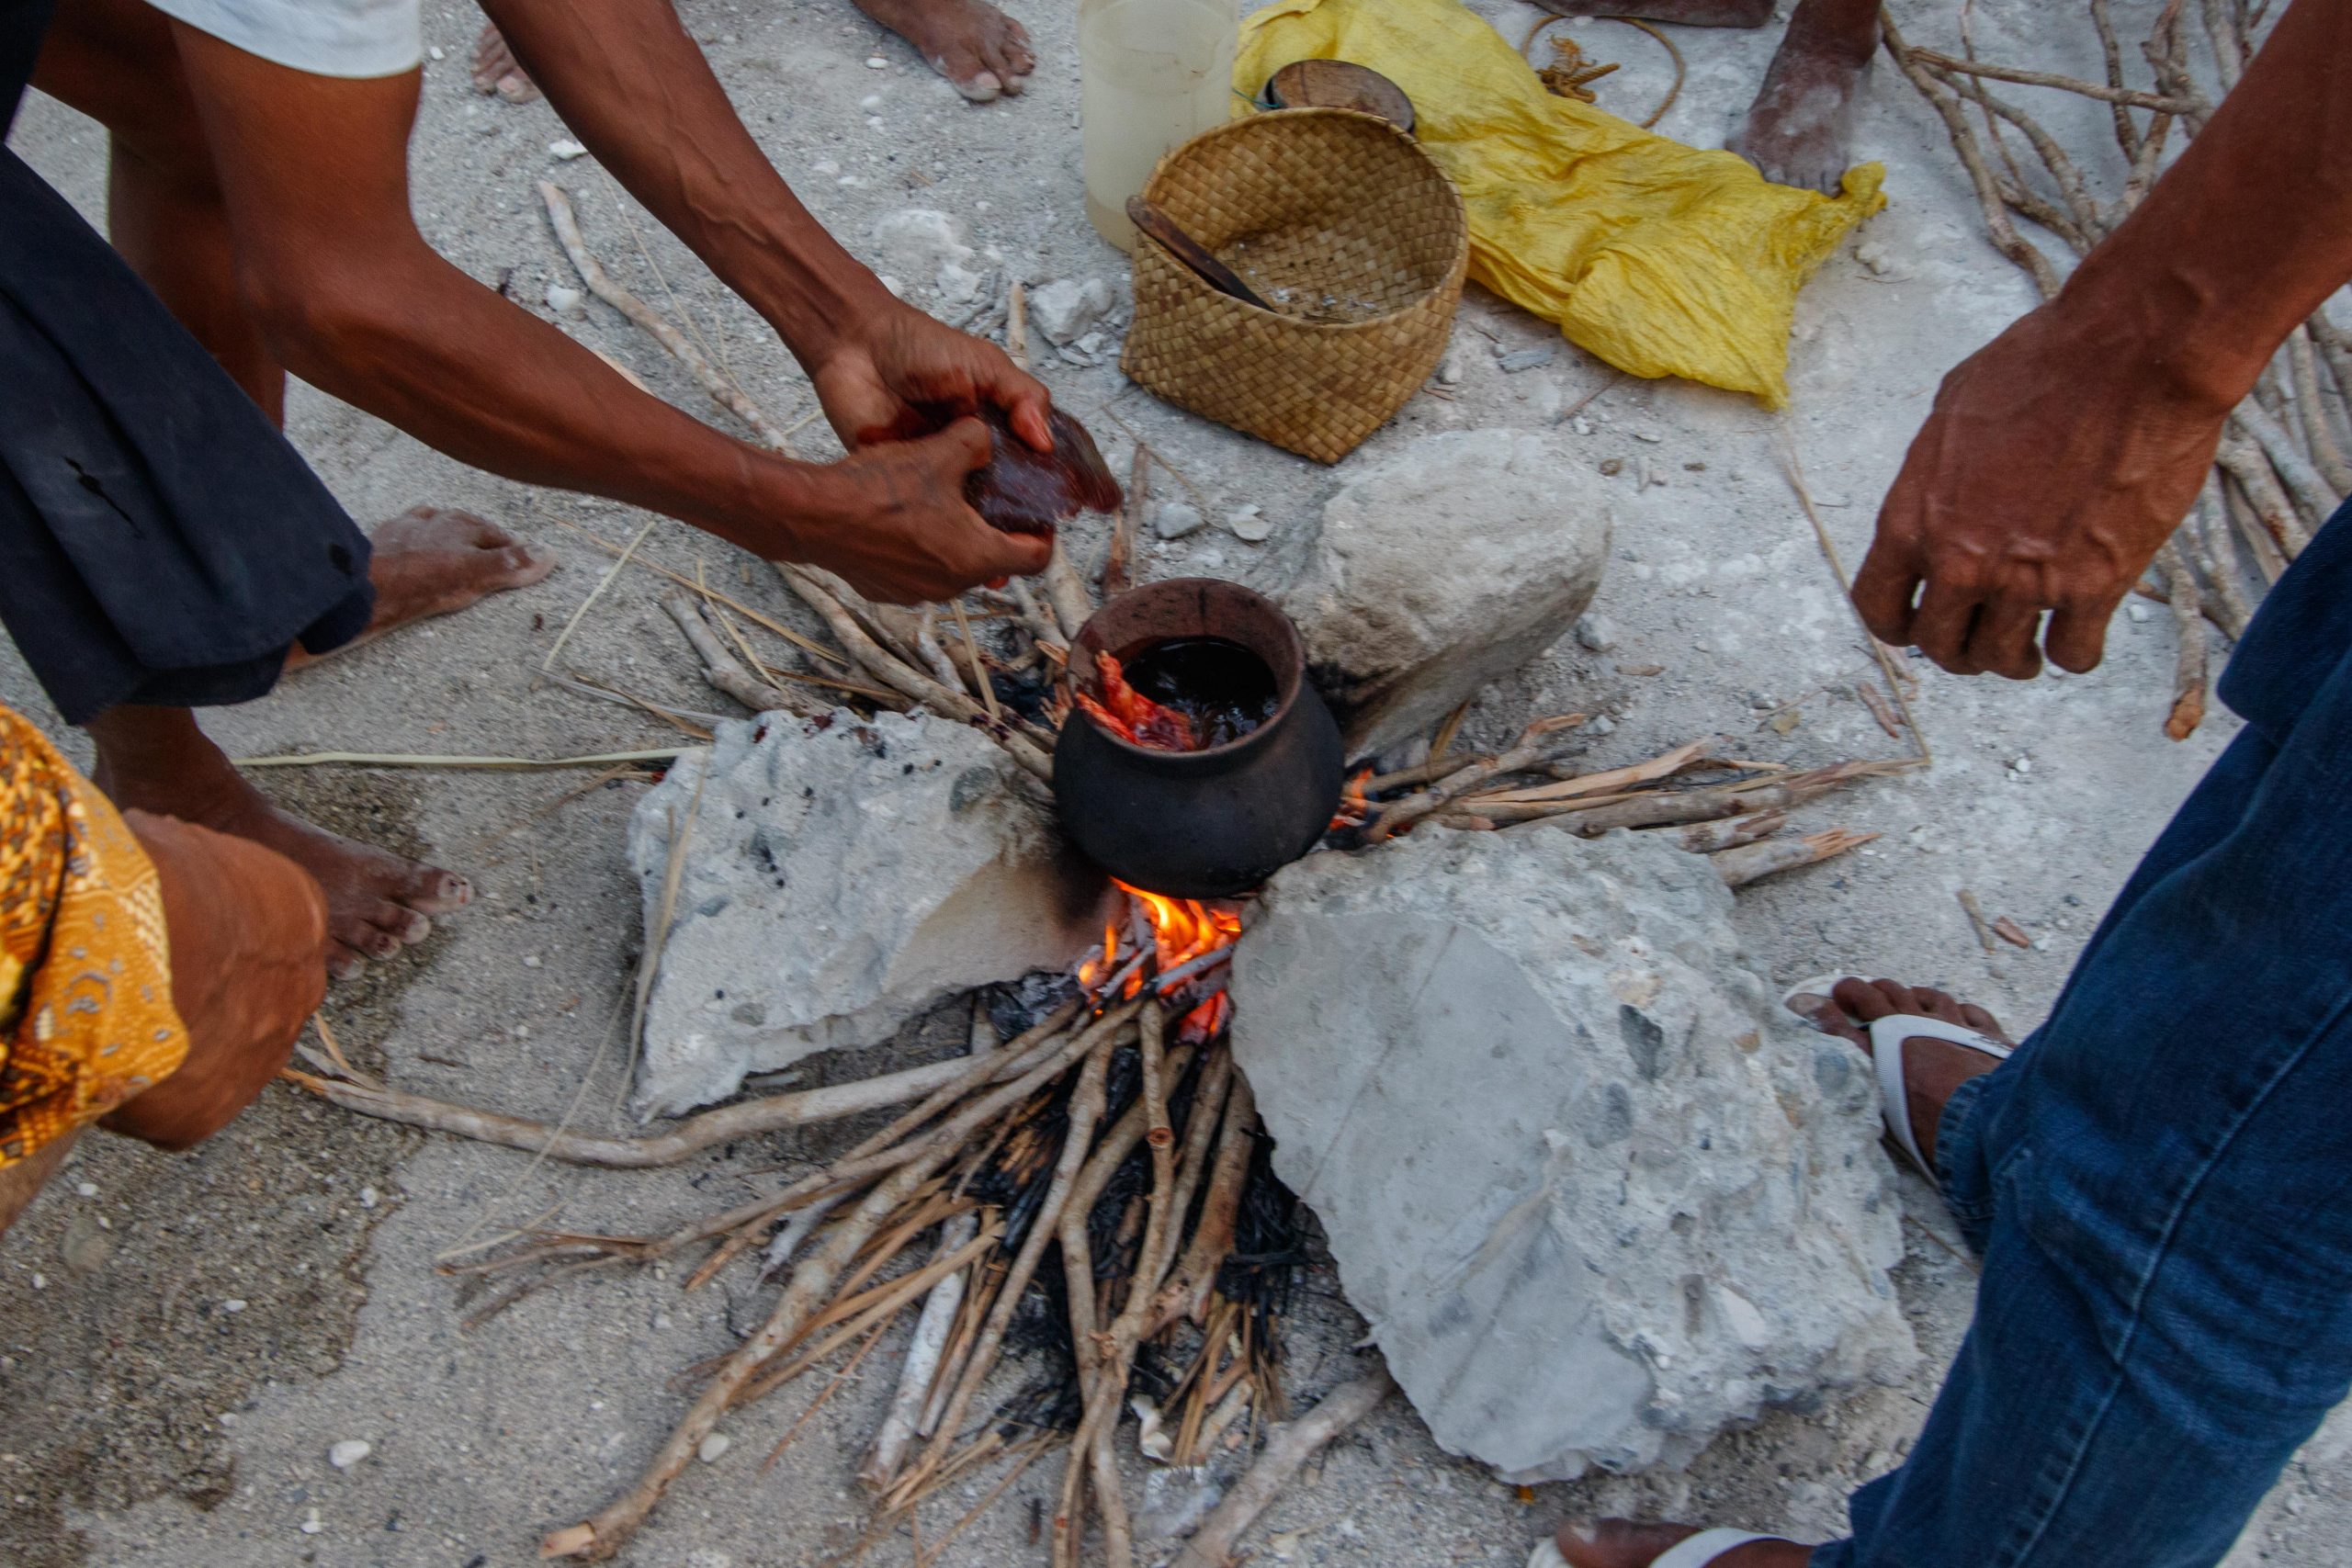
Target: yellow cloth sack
(1659, 258)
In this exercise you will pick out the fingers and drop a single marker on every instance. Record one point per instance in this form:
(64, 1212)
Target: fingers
(1942, 625)
(2002, 640)
(1025, 555)
(2076, 639)
(1885, 588)
(967, 444)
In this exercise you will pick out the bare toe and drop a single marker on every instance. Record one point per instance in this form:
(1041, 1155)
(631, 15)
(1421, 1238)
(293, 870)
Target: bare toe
(403, 924)
(1825, 1014)
(1983, 1022)
(429, 890)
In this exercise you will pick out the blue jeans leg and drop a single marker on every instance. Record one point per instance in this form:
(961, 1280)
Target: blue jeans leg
(2161, 1184)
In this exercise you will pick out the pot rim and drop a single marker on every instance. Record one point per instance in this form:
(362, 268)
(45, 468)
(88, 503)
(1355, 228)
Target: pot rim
(1290, 673)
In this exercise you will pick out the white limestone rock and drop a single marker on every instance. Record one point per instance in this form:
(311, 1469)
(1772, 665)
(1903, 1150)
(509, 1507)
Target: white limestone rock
(1444, 566)
(1598, 1196)
(1063, 311)
(841, 877)
(919, 241)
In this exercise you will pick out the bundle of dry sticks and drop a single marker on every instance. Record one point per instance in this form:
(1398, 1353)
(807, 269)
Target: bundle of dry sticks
(2281, 469)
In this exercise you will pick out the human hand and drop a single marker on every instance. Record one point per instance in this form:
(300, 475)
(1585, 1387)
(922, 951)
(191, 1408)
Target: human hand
(248, 935)
(875, 379)
(2053, 467)
(896, 523)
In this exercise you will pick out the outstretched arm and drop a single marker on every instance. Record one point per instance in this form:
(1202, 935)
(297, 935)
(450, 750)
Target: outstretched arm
(315, 175)
(2062, 455)
(635, 88)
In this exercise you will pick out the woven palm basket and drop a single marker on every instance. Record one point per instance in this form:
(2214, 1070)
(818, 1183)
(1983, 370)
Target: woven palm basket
(1342, 223)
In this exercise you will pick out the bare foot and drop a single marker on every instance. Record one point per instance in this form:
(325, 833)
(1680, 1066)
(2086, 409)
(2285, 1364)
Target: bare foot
(1931, 1068)
(430, 562)
(497, 71)
(1798, 128)
(1689, 12)
(156, 759)
(976, 47)
(1628, 1543)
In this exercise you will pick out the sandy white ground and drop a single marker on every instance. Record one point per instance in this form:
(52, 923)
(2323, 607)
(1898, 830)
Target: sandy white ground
(145, 1421)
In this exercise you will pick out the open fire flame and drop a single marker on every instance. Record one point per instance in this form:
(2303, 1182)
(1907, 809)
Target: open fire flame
(1189, 942)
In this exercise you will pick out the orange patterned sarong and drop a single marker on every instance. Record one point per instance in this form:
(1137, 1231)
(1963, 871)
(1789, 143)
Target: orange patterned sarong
(85, 969)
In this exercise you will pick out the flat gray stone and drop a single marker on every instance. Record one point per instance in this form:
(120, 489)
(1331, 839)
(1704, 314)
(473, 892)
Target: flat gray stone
(1598, 1195)
(1444, 566)
(840, 878)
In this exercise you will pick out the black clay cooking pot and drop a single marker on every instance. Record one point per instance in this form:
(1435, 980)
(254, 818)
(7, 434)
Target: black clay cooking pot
(1201, 824)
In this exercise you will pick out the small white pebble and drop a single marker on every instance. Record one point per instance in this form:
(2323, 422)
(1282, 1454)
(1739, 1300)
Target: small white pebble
(232, 1305)
(563, 299)
(369, 1197)
(2137, 611)
(436, 52)
(713, 1448)
(2023, 765)
(565, 148)
(876, 62)
(87, 1189)
(311, 1524)
(532, 962)
(826, 167)
(349, 1451)
(871, 101)
(40, 1282)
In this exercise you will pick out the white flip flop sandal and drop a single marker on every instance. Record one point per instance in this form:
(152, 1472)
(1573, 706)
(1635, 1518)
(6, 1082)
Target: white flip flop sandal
(1692, 1551)
(1888, 1036)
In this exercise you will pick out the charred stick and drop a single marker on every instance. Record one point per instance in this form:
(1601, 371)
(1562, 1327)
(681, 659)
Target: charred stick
(610, 1530)
(2229, 43)
(1066, 591)
(2327, 455)
(2208, 532)
(1609, 781)
(1085, 1110)
(2127, 135)
(934, 657)
(1752, 863)
(981, 682)
(2244, 461)
(2080, 224)
(2189, 671)
(874, 1154)
(2004, 233)
(1731, 832)
(1436, 768)
(695, 1134)
(725, 672)
(2122, 96)
(1526, 751)
(861, 1312)
(1041, 626)
(794, 1233)
(2311, 492)
(978, 1302)
(2267, 558)
(897, 675)
(1287, 1452)
(1118, 573)
(1186, 1293)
